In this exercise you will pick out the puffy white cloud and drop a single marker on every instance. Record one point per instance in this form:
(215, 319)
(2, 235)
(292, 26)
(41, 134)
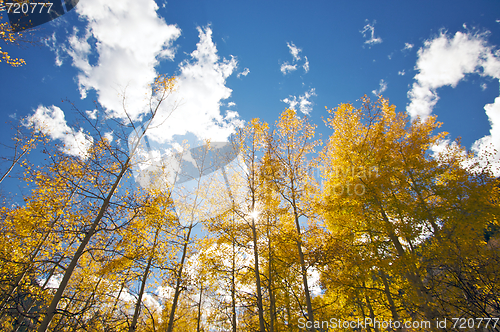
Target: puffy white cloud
(408, 46)
(369, 33)
(294, 51)
(245, 72)
(51, 121)
(401, 72)
(117, 55)
(194, 106)
(130, 40)
(442, 148)
(302, 103)
(446, 60)
(288, 68)
(91, 114)
(488, 147)
(382, 88)
(108, 136)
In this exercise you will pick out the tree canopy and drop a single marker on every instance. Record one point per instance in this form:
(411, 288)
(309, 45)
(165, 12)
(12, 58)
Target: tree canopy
(369, 226)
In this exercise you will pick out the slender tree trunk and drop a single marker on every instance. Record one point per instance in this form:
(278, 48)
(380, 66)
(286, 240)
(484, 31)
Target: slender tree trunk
(51, 311)
(69, 271)
(233, 287)
(177, 292)
(411, 273)
(288, 311)
(199, 309)
(257, 277)
(138, 304)
(122, 286)
(33, 255)
(272, 299)
(362, 309)
(387, 291)
(310, 313)
(370, 309)
(14, 163)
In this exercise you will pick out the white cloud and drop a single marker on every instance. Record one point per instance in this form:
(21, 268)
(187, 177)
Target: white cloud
(369, 33)
(488, 147)
(294, 51)
(51, 121)
(130, 40)
(401, 72)
(56, 47)
(306, 65)
(302, 103)
(231, 104)
(109, 136)
(444, 61)
(408, 46)
(443, 148)
(313, 280)
(288, 68)
(91, 114)
(484, 86)
(199, 90)
(382, 88)
(245, 72)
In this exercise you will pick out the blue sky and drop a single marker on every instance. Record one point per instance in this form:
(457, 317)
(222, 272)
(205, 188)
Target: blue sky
(242, 59)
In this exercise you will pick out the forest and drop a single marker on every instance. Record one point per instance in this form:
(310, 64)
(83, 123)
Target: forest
(364, 230)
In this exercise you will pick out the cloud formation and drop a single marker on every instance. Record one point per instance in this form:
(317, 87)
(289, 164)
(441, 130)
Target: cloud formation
(369, 33)
(302, 103)
(198, 95)
(117, 54)
(51, 122)
(444, 61)
(306, 65)
(408, 46)
(287, 67)
(488, 147)
(294, 51)
(382, 88)
(130, 40)
(245, 72)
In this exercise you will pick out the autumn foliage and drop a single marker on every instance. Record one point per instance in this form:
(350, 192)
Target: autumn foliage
(368, 224)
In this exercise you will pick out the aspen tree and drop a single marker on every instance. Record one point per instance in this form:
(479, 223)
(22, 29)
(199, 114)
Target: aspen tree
(290, 145)
(382, 186)
(251, 140)
(161, 90)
